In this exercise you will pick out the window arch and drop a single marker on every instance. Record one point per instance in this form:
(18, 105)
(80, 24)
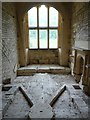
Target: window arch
(43, 27)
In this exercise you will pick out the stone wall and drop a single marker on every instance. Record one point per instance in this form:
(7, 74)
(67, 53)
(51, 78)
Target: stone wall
(80, 25)
(9, 41)
(0, 43)
(43, 56)
(0, 60)
(79, 28)
(89, 24)
(65, 34)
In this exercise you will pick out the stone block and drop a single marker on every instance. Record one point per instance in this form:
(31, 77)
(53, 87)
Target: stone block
(43, 61)
(40, 111)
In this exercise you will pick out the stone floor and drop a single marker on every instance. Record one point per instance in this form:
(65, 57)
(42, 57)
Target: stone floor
(41, 88)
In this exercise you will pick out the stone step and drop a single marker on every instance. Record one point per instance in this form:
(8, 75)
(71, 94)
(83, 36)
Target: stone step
(54, 69)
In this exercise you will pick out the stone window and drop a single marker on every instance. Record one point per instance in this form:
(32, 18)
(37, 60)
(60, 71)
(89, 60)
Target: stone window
(43, 27)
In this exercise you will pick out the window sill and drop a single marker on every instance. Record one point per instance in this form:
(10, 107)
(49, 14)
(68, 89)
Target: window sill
(45, 49)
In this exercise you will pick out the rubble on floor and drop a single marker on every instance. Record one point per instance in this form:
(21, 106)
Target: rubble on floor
(41, 88)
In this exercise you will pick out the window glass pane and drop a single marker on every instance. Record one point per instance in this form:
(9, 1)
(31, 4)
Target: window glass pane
(43, 38)
(32, 17)
(53, 20)
(53, 39)
(33, 39)
(43, 16)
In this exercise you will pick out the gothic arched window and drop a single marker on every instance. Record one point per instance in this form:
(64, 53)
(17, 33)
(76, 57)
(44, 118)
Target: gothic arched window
(43, 27)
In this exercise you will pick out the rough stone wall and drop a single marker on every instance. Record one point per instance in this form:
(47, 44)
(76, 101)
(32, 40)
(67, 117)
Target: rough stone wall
(0, 60)
(9, 41)
(0, 43)
(80, 25)
(65, 36)
(89, 24)
(43, 56)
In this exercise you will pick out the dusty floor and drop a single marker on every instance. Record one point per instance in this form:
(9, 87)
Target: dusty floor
(41, 89)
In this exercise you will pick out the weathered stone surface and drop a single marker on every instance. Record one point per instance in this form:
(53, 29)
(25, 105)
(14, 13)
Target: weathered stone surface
(57, 95)
(74, 29)
(32, 69)
(43, 56)
(0, 43)
(9, 41)
(80, 25)
(40, 110)
(41, 88)
(19, 107)
(0, 60)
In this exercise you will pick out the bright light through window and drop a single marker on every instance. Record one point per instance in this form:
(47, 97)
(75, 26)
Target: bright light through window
(53, 35)
(53, 17)
(33, 44)
(43, 29)
(32, 17)
(43, 38)
(43, 16)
